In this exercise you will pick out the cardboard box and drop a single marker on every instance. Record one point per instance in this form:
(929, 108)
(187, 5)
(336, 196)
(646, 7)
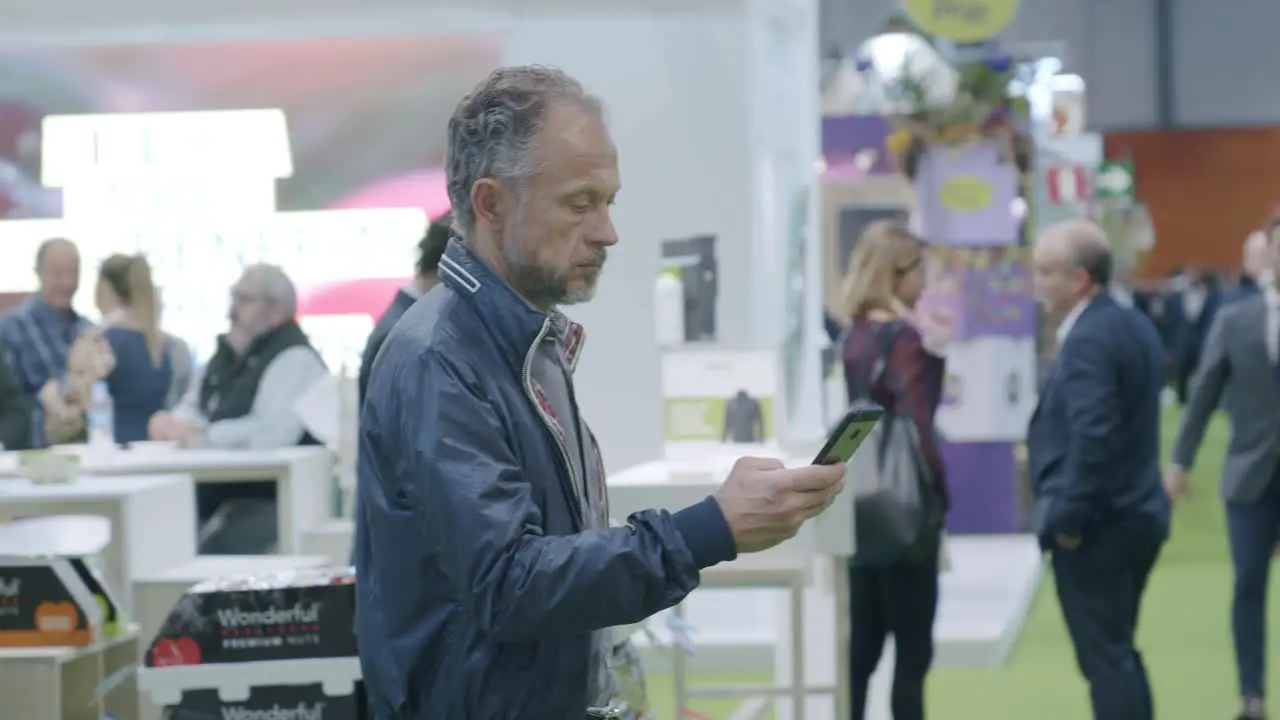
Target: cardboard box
(52, 592)
(292, 702)
(306, 614)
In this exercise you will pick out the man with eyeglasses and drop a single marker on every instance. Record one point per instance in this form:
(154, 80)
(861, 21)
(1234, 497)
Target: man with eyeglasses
(243, 399)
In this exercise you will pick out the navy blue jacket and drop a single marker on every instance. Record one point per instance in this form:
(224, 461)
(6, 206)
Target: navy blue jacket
(1094, 442)
(399, 304)
(477, 586)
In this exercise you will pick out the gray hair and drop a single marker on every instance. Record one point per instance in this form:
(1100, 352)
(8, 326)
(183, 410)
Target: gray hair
(1089, 250)
(275, 286)
(493, 132)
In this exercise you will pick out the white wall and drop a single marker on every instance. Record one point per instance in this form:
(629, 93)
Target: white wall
(1226, 62)
(676, 90)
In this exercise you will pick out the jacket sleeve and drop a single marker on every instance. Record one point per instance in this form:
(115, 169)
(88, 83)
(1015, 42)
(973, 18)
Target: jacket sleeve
(1210, 384)
(1092, 394)
(481, 520)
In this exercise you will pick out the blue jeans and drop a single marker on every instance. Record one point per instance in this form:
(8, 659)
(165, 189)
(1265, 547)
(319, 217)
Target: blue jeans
(1252, 529)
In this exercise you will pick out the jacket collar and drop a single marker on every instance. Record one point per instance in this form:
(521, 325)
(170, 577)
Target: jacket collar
(511, 319)
(1082, 310)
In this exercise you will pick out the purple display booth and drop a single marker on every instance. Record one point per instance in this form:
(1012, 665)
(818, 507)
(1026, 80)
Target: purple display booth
(845, 138)
(965, 201)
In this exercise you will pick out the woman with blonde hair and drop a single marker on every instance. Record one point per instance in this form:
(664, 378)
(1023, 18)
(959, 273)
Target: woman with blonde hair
(889, 361)
(128, 351)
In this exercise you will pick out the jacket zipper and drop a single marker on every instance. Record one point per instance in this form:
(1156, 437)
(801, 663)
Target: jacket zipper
(578, 485)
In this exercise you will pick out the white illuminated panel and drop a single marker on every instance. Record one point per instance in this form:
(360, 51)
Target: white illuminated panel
(340, 339)
(158, 201)
(195, 193)
(222, 143)
(196, 265)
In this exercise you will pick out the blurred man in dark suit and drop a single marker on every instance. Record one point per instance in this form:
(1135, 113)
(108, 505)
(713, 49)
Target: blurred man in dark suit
(1241, 365)
(430, 248)
(1093, 452)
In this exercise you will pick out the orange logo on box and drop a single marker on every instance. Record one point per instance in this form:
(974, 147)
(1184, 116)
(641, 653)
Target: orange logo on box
(57, 617)
(55, 623)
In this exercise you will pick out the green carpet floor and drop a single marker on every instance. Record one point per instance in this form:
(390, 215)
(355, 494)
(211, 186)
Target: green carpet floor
(1185, 634)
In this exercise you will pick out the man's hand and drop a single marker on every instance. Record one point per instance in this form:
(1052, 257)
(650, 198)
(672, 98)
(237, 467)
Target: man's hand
(168, 427)
(162, 426)
(1175, 484)
(766, 503)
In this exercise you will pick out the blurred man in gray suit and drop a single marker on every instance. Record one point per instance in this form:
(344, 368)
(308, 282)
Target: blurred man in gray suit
(1241, 362)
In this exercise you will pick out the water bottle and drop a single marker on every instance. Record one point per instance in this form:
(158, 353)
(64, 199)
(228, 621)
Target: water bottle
(668, 308)
(101, 417)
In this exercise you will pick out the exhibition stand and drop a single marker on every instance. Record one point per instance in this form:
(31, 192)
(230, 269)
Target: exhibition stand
(303, 478)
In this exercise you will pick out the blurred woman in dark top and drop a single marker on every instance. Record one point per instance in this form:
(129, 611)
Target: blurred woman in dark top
(129, 352)
(15, 410)
(886, 278)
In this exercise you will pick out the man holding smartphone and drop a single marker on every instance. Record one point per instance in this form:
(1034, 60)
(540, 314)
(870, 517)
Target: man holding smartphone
(488, 576)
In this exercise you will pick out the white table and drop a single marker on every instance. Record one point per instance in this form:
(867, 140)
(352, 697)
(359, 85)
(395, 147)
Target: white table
(68, 683)
(153, 518)
(811, 672)
(303, 477)
(332, 540)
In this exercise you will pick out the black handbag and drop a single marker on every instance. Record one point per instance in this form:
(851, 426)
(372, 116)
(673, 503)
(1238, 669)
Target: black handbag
(895, 493)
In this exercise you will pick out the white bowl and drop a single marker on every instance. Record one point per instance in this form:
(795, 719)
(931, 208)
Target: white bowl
(48, 466)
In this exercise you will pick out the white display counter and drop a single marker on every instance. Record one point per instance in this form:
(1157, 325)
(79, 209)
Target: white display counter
(153, 518)
(303, 477)
(811, 674)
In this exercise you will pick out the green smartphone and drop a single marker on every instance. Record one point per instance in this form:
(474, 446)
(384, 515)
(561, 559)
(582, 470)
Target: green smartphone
(849, 434)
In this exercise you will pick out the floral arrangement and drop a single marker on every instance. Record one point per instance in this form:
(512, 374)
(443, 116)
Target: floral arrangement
(956, 104)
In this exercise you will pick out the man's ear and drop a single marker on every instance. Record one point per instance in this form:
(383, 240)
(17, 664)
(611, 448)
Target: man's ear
(490, 201)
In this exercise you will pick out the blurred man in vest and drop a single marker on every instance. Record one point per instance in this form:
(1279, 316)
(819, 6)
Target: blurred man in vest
(243, 400)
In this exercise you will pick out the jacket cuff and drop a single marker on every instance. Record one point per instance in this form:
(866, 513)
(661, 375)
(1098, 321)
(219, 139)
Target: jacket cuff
(706, 533)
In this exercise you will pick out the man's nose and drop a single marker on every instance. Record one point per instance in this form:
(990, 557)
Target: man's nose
(602, 232)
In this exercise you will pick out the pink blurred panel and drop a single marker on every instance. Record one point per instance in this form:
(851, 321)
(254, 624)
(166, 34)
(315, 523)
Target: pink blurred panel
(423, 189)
(366, 296)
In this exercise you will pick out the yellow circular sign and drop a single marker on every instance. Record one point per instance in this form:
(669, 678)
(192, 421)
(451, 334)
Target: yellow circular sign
(962, 20)
(966, 193)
